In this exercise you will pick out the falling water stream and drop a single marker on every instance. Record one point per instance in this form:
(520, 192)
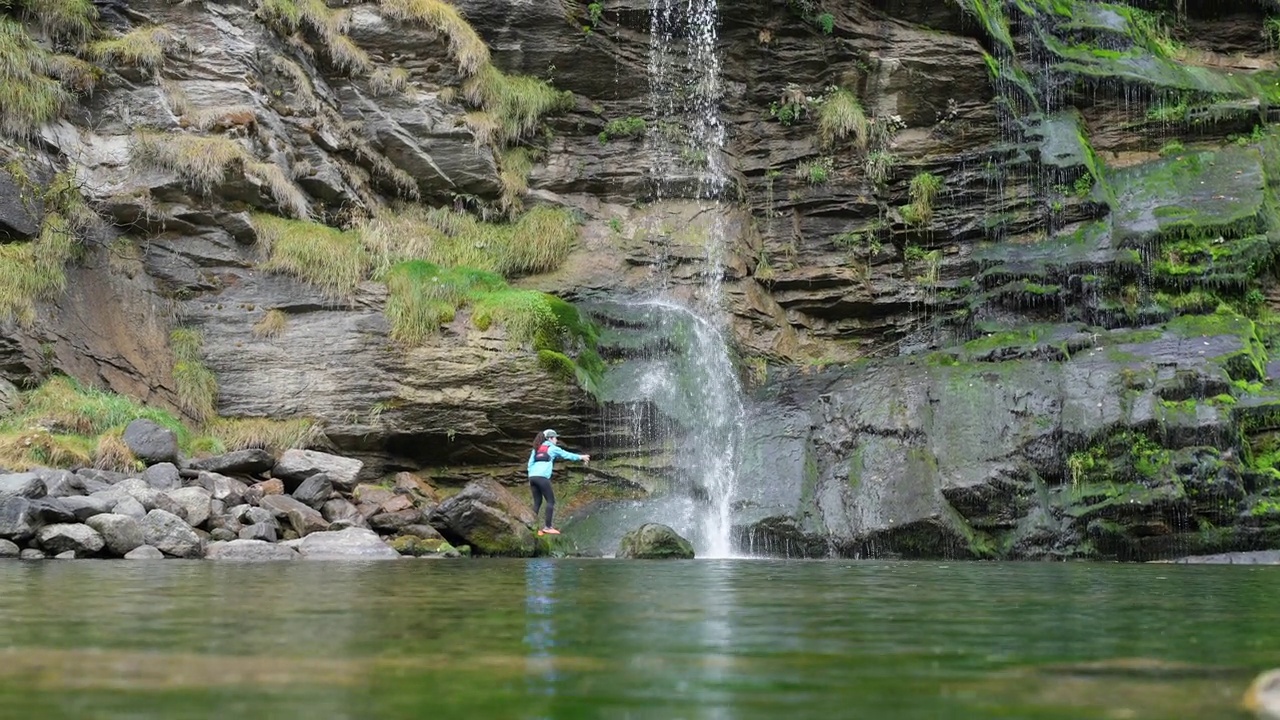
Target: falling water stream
(686, 159)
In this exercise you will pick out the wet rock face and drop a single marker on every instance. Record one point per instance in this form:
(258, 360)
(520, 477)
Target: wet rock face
(490, 518)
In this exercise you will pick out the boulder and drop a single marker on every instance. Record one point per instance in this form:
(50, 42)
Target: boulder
(105, 477)
(303, 519)
(127, 506)
(27, 485)
(254, 494)
(239, 462)
(256, 515)
(222, 534)
(8, 396)
(396, 504)
(228, 490)
(16, 520)
(61, 483)
(8, 550)
(83, 507)
(47, 510)
(489, 518)
(149, 497)
(144, 552)
(163, 476)
(415, 546)
(121, 533)
(171, 535)
(654, 541)
(416, 487)
(426, 532)
(298, 465)
(31, 554)
(1262, 698)
(260, 531)
(348, 544)
(151, 442)
(371, 495)
(393, 522)
(65, 555)
(67, 537)
(251, 550)
(195, 503)
(315, 490)
(341, 509)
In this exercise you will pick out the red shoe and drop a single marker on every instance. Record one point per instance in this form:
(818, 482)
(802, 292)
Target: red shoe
(548, 531)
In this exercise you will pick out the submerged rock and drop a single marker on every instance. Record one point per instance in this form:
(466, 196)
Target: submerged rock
(489, 518)
(250, 550)
(1263, 696)
(653, 541)
(144, 552)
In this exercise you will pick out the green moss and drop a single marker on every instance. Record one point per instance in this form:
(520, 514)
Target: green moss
(629, 127)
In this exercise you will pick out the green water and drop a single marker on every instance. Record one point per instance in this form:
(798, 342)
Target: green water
(614, 639)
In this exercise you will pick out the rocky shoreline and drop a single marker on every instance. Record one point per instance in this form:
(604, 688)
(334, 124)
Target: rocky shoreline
(254, 505)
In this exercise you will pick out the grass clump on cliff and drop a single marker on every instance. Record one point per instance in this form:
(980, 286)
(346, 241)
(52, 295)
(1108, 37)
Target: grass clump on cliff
(465, 44)
(516, 165)
(65, 424)
(290, 16)
(70, 19)
(203, 161)
(423, 296)
(196, 385)
(35, 270)
(29, 97)
(538, 241)
(333, 260)
(143, 47)
(840, 116)
(923, 191)
(515, 103)
(228, 434)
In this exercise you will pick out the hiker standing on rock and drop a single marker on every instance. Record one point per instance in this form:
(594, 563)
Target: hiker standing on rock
(545, 451)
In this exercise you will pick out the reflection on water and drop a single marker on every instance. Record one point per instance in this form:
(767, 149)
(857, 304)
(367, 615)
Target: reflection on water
(587, 639)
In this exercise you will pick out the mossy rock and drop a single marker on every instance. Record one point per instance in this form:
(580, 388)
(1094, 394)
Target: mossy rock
(654, 541)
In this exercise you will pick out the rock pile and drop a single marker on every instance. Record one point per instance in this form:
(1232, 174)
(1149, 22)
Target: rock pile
(243, 505)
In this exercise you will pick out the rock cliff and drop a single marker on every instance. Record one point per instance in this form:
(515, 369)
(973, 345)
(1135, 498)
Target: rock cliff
(1000, 274)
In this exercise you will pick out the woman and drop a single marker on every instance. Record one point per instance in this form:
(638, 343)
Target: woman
(545, 451)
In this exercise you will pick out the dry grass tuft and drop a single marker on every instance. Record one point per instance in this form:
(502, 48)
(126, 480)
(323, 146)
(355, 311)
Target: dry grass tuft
(200, 161)
(29, 98)
(243, 433)
(840, 116)
(72, 20)
(517, 163)
(516, 102)
(389, 81)
(466, 46)
(143, 47)
(273, 323)
(291, 199)
(111, 452)
(331, 259)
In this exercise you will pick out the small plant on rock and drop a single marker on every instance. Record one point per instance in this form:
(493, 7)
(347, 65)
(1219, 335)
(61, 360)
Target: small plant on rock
(815, 172)
(840, 116)
(923, 191)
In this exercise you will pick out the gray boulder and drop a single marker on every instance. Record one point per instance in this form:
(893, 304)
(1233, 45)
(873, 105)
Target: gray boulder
(196, 504)
(8, 396)
(144, 552)
(16, 520)
(162, 476)
(251, 551)
(352, 543)
(303, 519)
(341, 509)
(128, 506)
(150, 442)
(229, 490)
(47, 510)
(151, 498)
(260, 531)
(298, 465)
(67, 537)
(654, 541)
(488, 517)
(106, 477)
(8, 550)
(315, 490)
(257, 515)
(121, 533)
(171, 535)
(83, 507)
(239, 462)
(61, 483)
(65, 555)
(31, 554)
(27, 485)
(221, 534)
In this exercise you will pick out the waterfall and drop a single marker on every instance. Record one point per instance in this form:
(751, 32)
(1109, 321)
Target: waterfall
(697, 385)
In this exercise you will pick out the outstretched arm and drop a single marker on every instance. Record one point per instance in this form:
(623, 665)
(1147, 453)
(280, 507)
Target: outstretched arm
(561, 453)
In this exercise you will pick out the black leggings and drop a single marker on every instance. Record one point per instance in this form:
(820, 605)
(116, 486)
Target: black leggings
(541, 488)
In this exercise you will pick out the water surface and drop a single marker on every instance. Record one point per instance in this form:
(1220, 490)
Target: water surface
(613, 639)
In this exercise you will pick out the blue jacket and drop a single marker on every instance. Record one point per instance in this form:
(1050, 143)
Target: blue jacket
(543, 469)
